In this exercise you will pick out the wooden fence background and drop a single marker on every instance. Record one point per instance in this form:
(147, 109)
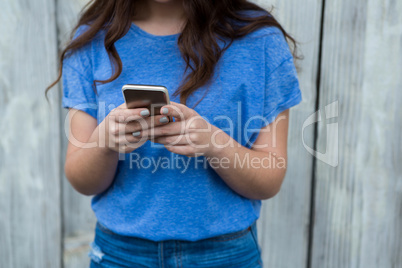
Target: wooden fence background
(344, 214)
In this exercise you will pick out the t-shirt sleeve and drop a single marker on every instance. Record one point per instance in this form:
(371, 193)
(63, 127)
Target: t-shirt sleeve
(282, 89)
(77, 78)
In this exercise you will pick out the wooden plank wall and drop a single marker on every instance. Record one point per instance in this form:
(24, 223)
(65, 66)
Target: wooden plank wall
(30, 218)
(356, 203)
(78, 217)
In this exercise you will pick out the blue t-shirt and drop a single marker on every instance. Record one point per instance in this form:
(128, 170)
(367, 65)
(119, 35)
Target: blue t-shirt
(159, 195)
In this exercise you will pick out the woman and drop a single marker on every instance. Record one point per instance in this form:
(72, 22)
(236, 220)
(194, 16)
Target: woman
(185, 193)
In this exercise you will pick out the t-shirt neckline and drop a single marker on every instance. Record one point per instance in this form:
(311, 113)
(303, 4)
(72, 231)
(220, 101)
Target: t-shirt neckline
(171, 37)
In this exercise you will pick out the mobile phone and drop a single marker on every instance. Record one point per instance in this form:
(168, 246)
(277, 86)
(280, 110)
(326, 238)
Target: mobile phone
(152, 97)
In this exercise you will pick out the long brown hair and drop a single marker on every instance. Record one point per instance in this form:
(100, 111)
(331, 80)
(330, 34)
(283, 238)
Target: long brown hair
(207, 21)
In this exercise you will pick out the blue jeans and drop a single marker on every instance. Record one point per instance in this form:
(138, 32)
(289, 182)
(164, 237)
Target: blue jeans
(238, 249)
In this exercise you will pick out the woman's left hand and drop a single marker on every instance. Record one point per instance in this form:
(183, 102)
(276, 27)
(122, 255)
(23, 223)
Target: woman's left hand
(189, 135)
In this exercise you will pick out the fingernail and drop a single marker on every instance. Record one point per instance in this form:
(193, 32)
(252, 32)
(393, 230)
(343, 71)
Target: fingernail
(163, 120)
(144, 113)
(135, 134)
(165, 110)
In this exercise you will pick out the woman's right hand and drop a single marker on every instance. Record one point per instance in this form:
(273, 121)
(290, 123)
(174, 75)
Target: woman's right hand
(120, 124)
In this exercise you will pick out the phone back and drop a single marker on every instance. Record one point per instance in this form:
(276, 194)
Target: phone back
(146, 96)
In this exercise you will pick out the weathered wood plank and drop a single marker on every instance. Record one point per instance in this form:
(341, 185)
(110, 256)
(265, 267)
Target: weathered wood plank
(78, 217)
(284, 222)
(30, 227)
(358, 221)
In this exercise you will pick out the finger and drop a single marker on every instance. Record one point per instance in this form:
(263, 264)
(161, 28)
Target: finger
(129, 138)
(144, 124)
(136, 125)
(180, 149)
(124, 115)
(171, 128)
(179, 111)
(172, 140)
